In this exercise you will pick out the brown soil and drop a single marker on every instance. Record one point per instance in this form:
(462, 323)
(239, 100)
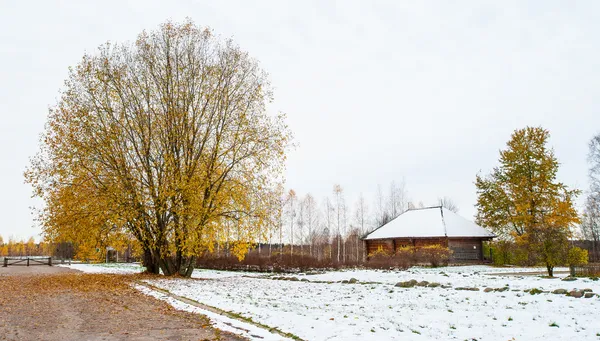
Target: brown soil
(53, 303)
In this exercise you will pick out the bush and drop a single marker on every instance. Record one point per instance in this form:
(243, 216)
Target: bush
(380, 259)
(510, 253)
(405, 257)
(577, 256)
(276, 262)
(435, 255)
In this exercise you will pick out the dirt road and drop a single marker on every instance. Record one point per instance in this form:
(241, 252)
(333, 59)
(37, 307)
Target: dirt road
(53, 303)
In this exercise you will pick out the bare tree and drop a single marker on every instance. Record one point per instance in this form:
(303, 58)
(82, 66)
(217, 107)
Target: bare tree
(397, 199)
(361, 214)
(328, 226)
(594, 161)
(448, 203)
(590, 225)
(339, 210)
(381, 212)
(312, 219)
(291, 212)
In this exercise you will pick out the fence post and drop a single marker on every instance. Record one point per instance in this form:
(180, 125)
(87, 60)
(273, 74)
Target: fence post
(5, 262)
(50, 261)
(27, 261)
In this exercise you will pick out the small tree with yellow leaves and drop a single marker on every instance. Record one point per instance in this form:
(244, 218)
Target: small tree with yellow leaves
(522, 200)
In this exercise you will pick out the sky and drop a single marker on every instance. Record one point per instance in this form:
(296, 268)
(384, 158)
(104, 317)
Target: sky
(374, 91)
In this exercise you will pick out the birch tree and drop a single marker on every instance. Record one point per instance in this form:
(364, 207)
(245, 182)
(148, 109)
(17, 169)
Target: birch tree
(590, 226)
(291, 214)
(338, 201)
(361, 215)
(397, 199)
(382, 216)
(329, 223)
(312, 220)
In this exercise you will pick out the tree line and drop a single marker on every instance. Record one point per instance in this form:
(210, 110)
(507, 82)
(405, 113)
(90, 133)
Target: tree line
(21, 248)
(332, 229)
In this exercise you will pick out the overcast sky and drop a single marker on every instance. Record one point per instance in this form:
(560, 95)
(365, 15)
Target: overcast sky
(375, 91)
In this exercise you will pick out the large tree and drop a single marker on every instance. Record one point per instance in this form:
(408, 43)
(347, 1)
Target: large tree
(166, 139)
(522, 198)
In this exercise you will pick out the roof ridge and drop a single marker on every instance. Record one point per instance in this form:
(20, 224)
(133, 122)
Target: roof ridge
(423, 208)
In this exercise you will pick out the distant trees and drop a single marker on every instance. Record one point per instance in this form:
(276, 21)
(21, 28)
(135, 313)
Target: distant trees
(396, 203)
(448, 204)
(521, 198)
(19, 248)
(397, 200)
(332, 229)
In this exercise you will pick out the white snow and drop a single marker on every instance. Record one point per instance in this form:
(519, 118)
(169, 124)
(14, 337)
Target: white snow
(110, 268)
(380, 311)
(429, 222)
(129, 268)
(221, 322)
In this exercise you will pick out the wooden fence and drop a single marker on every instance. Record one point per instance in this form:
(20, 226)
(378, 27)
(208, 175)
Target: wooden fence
(27, 261)
(590, 270)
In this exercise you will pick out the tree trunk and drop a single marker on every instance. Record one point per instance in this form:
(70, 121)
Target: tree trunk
(550, 270)
(149, 261)
(187, 267)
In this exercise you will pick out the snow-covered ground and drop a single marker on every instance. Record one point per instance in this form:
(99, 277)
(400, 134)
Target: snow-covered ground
(219, 321)
(109, 268)
(381, 311)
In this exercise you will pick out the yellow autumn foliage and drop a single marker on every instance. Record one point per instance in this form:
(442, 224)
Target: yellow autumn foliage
(167, 141)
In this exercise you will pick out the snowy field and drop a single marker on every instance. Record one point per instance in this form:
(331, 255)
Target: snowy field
(319, 307)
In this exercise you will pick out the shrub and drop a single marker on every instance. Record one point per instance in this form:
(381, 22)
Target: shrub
(435, 255)
(510, 253)
(380, 259)
(577, 256)
(405, 257)
(276, 262)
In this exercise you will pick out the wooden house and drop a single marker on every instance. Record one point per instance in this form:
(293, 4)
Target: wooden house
(431, 226)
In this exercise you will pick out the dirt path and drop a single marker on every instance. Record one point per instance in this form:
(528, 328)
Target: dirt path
(52, 303)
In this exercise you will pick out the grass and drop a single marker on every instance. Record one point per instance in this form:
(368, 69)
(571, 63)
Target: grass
(535, 291)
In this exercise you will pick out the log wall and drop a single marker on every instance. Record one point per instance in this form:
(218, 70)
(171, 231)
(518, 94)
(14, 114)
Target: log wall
(464, 249)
